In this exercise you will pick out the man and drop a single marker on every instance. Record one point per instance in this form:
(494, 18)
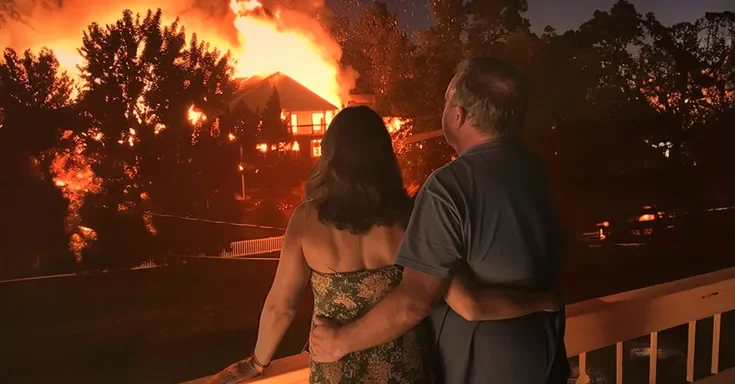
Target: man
(489, 211)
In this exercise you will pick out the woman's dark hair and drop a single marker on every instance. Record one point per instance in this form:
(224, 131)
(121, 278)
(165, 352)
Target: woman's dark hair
(357, 184)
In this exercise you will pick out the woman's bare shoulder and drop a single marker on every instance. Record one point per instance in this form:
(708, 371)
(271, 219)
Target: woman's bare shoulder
(303, 213)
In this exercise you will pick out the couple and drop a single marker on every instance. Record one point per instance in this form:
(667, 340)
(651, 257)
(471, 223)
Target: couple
(458, 287)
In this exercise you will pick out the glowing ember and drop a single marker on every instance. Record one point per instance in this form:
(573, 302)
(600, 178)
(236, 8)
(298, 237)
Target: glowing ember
(395, 124)
(159, 128)
(281, 147)
(72, 173)
(647, 217)
(148, 221)
(196, 117)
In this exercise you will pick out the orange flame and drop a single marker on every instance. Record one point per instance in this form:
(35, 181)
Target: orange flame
(395, 124)
(72, 173)
(284, 43)
(196, 117)
(646, 217)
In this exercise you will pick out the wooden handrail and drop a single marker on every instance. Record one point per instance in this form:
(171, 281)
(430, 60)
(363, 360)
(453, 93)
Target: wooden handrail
(610, 320)
(604, 321)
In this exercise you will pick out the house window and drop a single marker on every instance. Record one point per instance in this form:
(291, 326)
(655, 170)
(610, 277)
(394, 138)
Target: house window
(317, 119)
(316, 148)
(294, 123)
(328, 116)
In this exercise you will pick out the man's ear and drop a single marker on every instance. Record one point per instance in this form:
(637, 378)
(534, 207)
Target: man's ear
(461, 116)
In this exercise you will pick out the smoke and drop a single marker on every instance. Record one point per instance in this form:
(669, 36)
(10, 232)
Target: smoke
(60, 23)
(61, 28)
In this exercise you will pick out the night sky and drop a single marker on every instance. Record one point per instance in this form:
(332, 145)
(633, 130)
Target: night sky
(569, 14)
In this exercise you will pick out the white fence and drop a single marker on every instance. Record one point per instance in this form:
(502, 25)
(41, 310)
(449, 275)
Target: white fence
(254, 247)
(611, 320)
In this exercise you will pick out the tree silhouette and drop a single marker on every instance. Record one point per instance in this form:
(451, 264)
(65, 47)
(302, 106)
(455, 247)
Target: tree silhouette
(34, 109)
(272, 127)
(142, 81)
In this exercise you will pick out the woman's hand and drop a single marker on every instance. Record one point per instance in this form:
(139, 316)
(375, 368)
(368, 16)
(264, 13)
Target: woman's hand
(239, 372)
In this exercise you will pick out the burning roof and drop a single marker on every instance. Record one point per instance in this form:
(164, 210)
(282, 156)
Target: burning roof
(255, 92)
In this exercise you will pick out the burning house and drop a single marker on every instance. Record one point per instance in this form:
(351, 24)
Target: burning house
(305, 113)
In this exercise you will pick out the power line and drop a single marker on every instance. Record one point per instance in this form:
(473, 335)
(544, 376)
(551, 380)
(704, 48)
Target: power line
(213, 221)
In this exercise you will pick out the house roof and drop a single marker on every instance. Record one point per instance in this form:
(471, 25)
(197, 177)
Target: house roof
(255, 92)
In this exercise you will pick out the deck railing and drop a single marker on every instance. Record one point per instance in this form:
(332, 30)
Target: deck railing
(611, 320)
(254, 247)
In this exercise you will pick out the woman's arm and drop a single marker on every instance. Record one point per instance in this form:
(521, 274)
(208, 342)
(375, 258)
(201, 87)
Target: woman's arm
(292, 276)
(280, 306)
(480, 304)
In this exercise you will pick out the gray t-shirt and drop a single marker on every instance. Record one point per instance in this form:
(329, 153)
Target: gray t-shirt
(491, 211)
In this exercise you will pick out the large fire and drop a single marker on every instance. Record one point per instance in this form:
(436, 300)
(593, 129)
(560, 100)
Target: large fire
(285, 42)
(262, 41)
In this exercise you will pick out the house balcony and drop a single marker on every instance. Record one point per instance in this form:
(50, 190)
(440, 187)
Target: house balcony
(612, 324)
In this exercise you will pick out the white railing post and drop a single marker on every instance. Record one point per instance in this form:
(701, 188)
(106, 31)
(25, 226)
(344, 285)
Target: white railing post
(717, 323)
(690, 350)
(619, 362)
(583, 377)
(653, 358)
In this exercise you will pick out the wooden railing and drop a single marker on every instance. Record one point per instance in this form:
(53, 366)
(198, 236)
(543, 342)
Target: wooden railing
(611, 320)
(254, 247)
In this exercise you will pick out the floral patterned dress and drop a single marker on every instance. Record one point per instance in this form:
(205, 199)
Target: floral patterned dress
(344, 297)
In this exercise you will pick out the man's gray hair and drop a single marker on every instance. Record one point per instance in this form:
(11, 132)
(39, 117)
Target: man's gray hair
(493, 93)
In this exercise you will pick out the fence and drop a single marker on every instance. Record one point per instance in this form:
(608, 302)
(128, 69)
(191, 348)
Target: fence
(254, 247)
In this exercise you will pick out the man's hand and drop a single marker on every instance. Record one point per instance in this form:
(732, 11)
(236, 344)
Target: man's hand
(324, 343)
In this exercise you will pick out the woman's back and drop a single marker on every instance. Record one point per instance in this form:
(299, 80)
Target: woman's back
(328, 249)
(351, 273)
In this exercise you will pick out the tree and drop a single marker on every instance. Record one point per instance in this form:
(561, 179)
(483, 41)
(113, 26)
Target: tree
(492, 21)
(272, 127)
(154, 101)
(379, 50)
(598, 112)
(690, 79)
(35, 108)
(714, 115)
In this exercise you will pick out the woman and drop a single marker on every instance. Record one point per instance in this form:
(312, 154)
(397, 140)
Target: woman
(344, 240)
